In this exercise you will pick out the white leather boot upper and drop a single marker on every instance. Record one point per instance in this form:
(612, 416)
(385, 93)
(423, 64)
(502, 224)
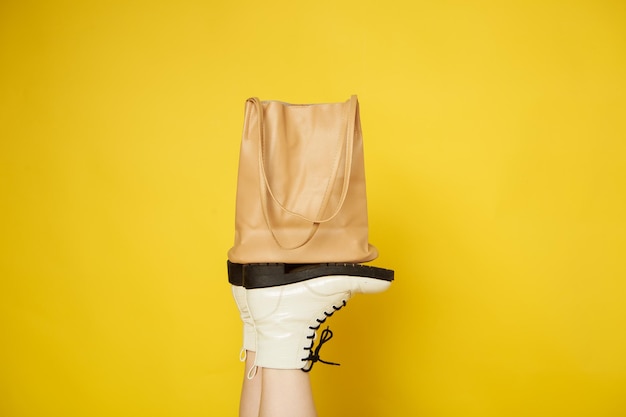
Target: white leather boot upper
(249, 333)
(286, 317)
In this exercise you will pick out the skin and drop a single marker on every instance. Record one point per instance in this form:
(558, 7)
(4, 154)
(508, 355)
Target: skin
(276, 393)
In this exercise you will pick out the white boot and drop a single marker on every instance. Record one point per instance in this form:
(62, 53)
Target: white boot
(286, 317)
(249, 333)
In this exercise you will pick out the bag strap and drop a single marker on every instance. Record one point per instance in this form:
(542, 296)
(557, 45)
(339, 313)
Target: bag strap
(347, 143)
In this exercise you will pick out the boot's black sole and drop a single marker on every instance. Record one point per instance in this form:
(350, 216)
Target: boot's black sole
(263, 275)
(235, 273)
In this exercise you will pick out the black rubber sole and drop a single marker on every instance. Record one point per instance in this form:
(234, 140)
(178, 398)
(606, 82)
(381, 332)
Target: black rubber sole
(263, 275)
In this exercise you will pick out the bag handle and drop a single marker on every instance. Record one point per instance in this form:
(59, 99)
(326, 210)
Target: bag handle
(348, 141)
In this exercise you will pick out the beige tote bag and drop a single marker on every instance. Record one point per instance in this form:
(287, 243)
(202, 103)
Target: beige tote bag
(301, 185)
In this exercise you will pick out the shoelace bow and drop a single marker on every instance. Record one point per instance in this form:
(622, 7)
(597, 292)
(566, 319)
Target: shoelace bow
(314, 356)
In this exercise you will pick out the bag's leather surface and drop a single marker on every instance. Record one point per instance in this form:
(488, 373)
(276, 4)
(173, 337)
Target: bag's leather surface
(301, 185)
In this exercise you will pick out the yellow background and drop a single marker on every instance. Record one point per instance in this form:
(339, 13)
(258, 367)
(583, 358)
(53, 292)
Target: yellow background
(495, 136)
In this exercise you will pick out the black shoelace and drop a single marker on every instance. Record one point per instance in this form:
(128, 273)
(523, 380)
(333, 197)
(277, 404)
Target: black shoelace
(325, 336)
(314, 355)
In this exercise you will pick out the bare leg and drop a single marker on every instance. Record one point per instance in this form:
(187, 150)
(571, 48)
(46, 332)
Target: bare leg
(251, 389)
(286, 393)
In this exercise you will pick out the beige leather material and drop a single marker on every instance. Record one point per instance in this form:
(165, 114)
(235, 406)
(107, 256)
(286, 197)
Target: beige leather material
(301, 185)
